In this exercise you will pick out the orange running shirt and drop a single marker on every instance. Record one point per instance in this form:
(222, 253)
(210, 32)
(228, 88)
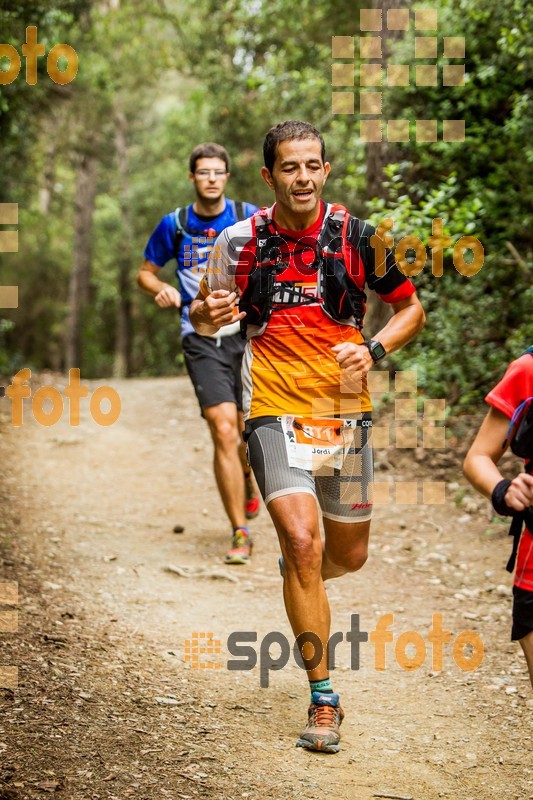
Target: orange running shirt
(288, 366)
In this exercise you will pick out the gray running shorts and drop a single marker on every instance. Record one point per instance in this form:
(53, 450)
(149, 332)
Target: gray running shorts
(344, 495)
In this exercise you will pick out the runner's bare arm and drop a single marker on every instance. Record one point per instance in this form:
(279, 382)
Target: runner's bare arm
(484, 454)
(408, 320)
(164, 294)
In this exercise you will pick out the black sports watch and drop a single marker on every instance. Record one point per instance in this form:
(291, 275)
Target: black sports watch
(376, 350)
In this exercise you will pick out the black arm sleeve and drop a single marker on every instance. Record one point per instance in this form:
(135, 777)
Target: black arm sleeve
(387, 279)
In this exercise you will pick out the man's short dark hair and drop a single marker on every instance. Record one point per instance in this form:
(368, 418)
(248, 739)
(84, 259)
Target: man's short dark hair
(288, 131)
(209, 150)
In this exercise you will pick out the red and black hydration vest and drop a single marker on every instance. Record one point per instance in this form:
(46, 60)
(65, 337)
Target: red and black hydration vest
(340, 297)
(520, 438)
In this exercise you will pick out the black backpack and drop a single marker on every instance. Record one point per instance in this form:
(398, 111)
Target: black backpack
(520, 440)
(181, 216)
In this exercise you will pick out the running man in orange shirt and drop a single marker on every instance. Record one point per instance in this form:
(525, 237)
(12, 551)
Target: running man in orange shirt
(294, 275)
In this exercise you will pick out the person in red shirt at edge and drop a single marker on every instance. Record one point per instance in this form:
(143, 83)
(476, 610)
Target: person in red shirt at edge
(286, 273)
(480, 467)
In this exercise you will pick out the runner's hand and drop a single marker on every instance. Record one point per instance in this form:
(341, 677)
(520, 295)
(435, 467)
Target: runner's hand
(167, 297)
(519, 495)
(220, 308)
(353, 357)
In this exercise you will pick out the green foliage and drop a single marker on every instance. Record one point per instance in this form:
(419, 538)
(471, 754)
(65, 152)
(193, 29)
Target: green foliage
(226, 70)
(494, 162)
(475, 325)
(22, 105)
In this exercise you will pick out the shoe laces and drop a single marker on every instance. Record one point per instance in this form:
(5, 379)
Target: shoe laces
(324, 716)
(240, 539)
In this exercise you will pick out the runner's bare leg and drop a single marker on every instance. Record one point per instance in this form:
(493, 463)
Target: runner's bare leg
(242, 446)
(345, 547)
(527, 646)
(224, 424)
(296, 519)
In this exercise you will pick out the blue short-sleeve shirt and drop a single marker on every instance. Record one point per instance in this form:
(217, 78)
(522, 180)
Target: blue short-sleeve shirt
(194, 247)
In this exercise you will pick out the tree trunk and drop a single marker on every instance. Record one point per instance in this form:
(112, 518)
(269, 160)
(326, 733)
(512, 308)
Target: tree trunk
(86, 182)
(47, 187)
(121, 368)
(378, 155)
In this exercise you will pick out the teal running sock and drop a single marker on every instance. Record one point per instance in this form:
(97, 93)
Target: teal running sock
(323, 686)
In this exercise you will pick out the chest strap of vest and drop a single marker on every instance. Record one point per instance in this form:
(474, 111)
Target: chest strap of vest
(340, 297)
(517, 524)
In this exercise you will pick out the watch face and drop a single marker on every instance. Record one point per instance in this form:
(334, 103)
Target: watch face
(377, 351)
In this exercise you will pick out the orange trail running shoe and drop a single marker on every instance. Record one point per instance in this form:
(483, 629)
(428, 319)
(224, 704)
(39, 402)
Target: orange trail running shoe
(251, 506)
(322, 730)
(241, 547)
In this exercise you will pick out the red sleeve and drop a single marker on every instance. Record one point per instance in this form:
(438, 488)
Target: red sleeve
(405, 289)
(515, 386)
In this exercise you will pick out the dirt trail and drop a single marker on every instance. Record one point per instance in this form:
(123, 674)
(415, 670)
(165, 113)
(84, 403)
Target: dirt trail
(107, 706)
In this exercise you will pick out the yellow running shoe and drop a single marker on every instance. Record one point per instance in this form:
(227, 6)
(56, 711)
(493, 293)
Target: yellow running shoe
(241, 547)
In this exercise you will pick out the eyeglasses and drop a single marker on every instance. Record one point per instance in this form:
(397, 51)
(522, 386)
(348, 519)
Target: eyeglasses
(206, 173)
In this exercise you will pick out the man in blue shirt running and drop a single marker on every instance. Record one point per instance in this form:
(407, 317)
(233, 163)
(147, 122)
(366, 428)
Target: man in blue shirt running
(213, 362)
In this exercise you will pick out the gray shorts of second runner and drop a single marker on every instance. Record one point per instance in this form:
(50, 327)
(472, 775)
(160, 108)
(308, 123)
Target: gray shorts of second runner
(344, 495)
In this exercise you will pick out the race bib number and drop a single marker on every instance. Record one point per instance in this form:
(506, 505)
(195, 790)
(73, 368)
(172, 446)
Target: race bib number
(321, 445)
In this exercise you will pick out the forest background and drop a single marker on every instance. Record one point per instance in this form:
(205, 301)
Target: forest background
(94, 164)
